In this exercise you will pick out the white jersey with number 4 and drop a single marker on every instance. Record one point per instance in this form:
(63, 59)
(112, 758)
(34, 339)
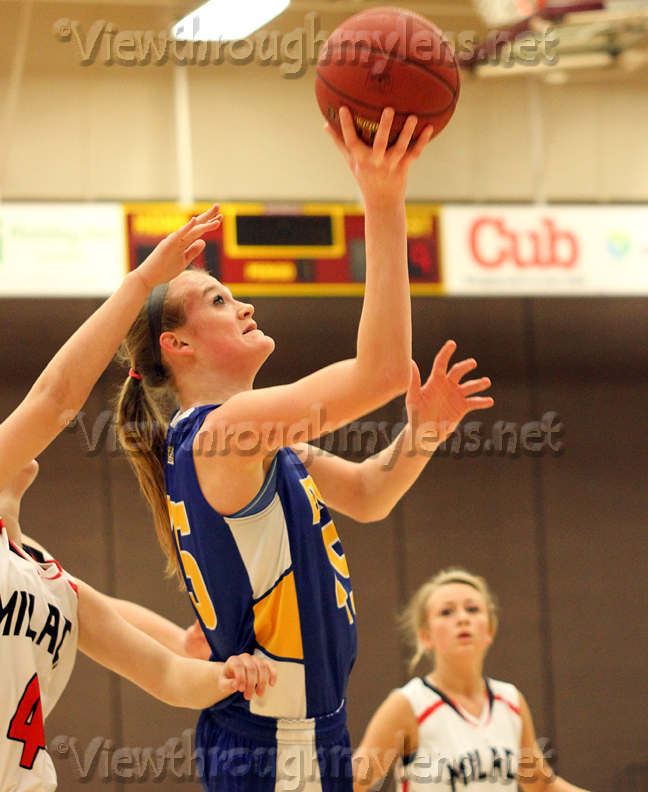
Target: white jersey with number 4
(457, 750)
(38, 638)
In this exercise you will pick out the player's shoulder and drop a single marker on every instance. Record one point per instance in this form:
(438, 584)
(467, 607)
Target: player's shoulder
(36, 550)
(191, 418)
(185, 425)
(10, 553)
(4, 548)
(506, 693)
(416, 685)
(420, 695)
(31, 561)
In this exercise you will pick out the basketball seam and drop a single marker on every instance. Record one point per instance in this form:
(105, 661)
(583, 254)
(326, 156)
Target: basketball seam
(394, 9)
(398, 58)
(353, 100)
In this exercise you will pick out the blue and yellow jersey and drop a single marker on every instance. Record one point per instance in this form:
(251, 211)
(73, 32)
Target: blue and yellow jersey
(271, 579)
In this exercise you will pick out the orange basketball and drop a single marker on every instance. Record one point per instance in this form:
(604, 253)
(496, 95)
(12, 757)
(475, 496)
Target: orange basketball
(388, 57)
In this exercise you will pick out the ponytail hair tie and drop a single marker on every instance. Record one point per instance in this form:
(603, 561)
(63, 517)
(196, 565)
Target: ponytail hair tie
(134, 374)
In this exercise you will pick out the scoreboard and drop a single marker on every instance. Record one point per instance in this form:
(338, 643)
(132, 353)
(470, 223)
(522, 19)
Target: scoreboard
(313, 249)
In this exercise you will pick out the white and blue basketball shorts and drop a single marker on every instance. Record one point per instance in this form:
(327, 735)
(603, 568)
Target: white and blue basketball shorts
(237, 751)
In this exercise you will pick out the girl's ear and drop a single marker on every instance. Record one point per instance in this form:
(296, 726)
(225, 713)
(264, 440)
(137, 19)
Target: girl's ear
(425, 639)
(491, 635)
(173, 345)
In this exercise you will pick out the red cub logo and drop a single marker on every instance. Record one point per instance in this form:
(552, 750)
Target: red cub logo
(493, 244)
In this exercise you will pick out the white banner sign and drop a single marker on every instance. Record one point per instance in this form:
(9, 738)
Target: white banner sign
(61, 250)
(514, 250)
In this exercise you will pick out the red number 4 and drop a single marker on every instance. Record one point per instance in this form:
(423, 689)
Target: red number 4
(27, 724)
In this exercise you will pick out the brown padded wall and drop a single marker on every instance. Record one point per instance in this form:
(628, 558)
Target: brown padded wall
(562, 540)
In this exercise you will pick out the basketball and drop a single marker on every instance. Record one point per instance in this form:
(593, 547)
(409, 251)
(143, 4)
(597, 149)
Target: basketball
(388, 57)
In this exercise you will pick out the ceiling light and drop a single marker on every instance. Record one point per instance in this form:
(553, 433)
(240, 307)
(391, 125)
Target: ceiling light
(585, 60)
(633, 59)
(556, 77)
(224, 20)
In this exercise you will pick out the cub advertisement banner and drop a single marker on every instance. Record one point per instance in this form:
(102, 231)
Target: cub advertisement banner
(554, 250)
(85, 249)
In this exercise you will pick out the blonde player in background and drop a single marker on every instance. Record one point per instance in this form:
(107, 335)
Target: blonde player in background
(454, 728)
(44, 612)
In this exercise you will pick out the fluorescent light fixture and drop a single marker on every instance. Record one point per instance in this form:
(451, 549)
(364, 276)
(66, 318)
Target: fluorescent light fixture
(605, 15)
(227, 20)
(585, 60)
(633, 59)
(556, 77)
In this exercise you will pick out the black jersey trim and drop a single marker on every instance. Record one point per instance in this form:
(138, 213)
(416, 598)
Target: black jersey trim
(447, 700)
(37, 555)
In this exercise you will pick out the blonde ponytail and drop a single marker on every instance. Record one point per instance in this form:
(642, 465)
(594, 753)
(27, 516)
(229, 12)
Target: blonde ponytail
(144, 407)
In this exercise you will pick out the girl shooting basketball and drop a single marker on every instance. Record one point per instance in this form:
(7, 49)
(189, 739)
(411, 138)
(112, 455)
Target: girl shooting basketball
(250, 531)
(453, 728)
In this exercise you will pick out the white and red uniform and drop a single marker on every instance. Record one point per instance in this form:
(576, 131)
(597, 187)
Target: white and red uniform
(38, 639)
(457, 750)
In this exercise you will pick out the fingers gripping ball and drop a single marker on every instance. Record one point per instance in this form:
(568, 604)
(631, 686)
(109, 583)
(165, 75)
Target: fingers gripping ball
(388, 57)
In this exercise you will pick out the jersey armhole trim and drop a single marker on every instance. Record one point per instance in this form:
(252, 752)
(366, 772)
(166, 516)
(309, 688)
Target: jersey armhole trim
(264, 496)
(44, 568)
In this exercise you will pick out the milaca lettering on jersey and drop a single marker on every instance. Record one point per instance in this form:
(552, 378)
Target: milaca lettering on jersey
(472, 766)
(52, 634)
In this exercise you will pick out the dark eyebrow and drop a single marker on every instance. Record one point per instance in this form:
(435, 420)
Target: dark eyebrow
(469, 600)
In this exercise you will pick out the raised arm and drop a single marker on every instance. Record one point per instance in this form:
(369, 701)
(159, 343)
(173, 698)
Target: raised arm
(63, 387)
(381, 368)
(110, 640)
(11, 497)
(368, 491)
(189, 642)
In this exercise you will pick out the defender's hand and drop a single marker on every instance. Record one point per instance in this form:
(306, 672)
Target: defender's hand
(176, 252)
(248, 674)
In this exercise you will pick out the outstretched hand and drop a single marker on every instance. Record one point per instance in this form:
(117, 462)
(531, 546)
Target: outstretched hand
(381, 172)
(444, 400)
(176, 252)
(248, 674)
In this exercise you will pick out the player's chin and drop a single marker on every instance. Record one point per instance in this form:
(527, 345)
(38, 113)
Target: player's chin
(263, 347)
(267, 343)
